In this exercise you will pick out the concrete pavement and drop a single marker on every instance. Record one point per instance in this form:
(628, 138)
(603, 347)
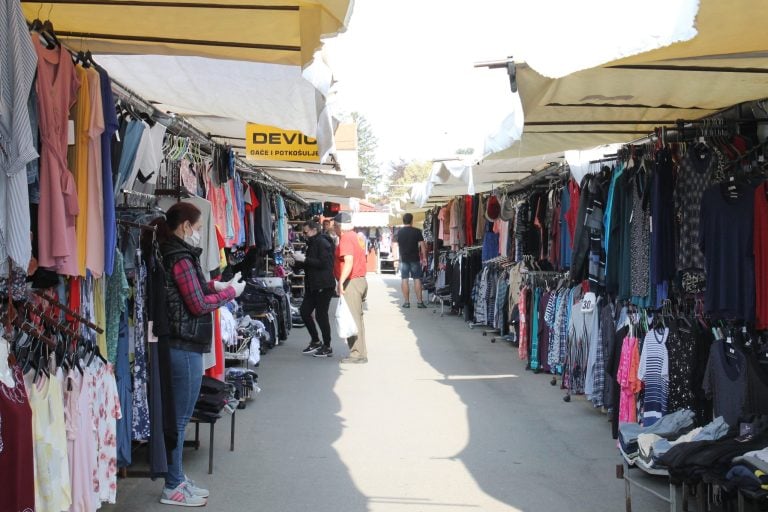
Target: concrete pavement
(439, 420)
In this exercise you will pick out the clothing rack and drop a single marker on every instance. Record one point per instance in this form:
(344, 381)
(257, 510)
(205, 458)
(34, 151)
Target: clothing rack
(177, 192)
(537, 276)
(68, 311)
(263, 178)
(180, 127)
(555, 169)
(50, 321)
(140, 195)
(143, 227)
(11, 318)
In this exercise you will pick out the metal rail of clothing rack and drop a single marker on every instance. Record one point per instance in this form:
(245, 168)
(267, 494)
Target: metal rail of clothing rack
(180, 126)
(677, 496)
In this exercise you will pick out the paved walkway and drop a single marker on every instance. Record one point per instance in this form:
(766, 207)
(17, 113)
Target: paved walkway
(439, 420)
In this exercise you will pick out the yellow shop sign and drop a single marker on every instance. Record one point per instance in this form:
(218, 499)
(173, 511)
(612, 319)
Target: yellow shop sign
(269, 143)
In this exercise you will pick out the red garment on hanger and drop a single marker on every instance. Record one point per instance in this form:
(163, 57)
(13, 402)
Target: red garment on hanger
(468, 224)
(217, 370)
(760, 237)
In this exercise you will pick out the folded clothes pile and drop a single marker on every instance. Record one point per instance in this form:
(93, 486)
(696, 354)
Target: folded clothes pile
(244, 382)
(696, 460)
(653, 446)
(670, 426)
(749, 471)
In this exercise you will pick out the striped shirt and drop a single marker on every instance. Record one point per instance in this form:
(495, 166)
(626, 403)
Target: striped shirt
(654, 372)
(18, 62)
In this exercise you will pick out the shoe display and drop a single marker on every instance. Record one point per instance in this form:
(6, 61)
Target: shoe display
(354, 360)
(311, 348)
(194, 489)
(324, 352)
(182, 496)
(421, 305)
(406, 305)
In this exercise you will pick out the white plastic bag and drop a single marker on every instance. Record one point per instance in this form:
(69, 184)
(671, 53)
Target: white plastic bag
(254, 352)
(345, 322)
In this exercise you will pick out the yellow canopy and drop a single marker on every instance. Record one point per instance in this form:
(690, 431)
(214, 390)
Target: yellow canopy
(270, 31)
(725, 64)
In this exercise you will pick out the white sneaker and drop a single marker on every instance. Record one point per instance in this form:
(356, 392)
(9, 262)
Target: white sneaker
(181, 496)
(195, 489)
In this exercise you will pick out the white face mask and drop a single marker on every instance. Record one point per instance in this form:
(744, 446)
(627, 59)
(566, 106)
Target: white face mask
(193, 239)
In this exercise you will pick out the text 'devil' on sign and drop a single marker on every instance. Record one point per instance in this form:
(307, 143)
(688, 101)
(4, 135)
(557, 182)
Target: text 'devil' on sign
(269, 143)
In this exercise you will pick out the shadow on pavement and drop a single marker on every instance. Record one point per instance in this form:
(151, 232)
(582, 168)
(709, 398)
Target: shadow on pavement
(527, 448)
(283, 459)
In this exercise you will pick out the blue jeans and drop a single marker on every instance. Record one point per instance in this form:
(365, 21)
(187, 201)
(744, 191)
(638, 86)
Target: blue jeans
(186, 376)
(410, 269)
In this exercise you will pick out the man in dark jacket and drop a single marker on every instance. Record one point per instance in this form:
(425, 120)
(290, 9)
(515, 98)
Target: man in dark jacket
(319, 288)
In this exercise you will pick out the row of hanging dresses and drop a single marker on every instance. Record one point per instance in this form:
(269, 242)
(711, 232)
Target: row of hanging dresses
(57, 441)
(537, 226)
(646, 236)
(490, 297)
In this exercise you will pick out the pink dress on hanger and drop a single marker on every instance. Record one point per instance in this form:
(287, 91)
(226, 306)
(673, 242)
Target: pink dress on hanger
(628, 380)
(94, 259)
(442, 216)
(56, 86)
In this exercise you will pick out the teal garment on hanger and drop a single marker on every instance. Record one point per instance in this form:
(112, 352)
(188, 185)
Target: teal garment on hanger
(535, 330)
(608, 209)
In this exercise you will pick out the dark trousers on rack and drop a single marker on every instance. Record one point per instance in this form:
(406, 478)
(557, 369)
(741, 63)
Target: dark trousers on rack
(317, 301)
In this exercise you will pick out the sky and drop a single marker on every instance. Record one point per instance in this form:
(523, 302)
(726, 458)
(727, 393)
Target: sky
(408, 65)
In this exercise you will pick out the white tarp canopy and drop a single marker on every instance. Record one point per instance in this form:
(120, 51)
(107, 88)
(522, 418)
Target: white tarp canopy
(557, 38)
(455, 178)
(220, 96)
(370, 219)
(318, 185)
(455, 172)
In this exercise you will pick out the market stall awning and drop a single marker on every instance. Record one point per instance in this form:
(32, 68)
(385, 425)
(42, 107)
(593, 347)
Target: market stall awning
(484, 176)
(274, 31)
(316, 184)
(725, 64)
(219, 97)
(370, 219)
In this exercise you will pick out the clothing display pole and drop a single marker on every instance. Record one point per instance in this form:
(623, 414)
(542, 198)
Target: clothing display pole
(68, 311)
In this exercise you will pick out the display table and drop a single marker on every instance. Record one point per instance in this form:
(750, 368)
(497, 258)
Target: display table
(212, 422)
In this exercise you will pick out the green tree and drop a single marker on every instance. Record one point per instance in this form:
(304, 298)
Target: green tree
(405, 174)
(367, 144)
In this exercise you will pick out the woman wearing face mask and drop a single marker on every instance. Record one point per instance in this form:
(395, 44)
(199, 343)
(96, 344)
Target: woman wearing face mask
(191, 300)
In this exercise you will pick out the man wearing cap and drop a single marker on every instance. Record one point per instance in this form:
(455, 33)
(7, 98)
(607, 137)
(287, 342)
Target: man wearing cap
(329, 232)
(350, 268)
(413, 251)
